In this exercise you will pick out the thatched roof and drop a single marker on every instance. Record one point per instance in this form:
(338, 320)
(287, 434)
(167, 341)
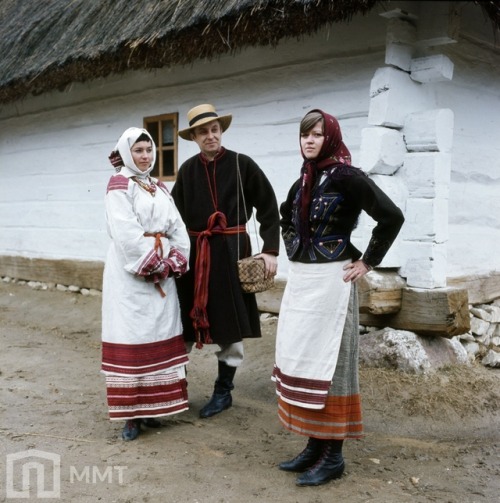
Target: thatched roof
(47, 44)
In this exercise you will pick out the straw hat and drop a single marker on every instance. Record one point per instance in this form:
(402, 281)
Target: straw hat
(201, 115)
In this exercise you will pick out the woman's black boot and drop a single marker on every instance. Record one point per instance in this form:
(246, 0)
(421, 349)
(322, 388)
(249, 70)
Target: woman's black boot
(329, 466)
(306, 458)
(221, 398)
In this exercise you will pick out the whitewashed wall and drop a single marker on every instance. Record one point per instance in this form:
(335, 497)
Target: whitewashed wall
(54, 148)
(474, 201)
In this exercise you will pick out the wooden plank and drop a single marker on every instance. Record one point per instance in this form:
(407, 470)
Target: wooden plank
(482, 288)
(380, 292)
(443, 311)
(85, 274)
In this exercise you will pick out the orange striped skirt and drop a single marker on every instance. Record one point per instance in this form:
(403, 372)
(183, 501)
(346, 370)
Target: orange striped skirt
(340, 418)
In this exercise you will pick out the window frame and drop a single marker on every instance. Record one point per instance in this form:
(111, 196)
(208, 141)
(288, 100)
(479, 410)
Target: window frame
(158, 120)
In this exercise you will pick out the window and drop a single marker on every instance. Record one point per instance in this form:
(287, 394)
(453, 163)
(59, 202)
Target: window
(163, 129)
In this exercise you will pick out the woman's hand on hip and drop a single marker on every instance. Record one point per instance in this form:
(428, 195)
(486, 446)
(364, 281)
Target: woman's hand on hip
(355, 270)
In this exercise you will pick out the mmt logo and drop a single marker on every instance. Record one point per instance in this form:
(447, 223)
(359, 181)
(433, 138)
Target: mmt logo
(33, 469)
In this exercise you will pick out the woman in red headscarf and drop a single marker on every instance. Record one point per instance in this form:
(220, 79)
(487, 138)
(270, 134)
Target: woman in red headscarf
(316, 368)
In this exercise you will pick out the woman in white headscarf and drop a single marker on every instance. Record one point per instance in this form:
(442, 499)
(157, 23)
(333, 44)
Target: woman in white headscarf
(143, 352)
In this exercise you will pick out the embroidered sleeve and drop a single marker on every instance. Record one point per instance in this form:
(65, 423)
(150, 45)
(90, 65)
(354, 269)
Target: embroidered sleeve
(117, 182)
(174, 265)
(152, 264)
(177, 263)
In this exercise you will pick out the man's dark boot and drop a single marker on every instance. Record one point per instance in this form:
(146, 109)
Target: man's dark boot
(151, 422)
(328, 467)
(221, 398)
(306, 458)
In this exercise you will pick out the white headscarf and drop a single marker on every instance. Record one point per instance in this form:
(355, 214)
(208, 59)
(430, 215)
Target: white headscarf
(125, 143)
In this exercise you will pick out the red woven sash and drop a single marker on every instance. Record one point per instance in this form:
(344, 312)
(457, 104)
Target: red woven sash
(217, 224)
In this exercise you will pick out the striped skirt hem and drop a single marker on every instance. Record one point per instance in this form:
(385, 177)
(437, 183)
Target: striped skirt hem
(340, 419)
(135, 397)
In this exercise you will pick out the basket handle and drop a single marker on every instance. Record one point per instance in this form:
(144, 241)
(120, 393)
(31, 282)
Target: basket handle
(239, 188)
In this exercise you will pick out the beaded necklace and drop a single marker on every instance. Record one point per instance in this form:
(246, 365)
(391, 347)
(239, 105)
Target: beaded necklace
(151, 188)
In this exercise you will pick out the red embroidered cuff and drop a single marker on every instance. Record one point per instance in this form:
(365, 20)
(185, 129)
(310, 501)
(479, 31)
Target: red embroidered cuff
(176, 262)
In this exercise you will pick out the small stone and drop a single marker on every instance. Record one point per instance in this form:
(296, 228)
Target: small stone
(35, 285)
(492, 359)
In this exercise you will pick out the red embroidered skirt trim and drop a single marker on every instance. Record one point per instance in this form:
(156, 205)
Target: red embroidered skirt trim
(131, 397)
(143, 359)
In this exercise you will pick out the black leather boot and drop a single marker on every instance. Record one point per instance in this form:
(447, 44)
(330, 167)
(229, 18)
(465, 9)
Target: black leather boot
(151, 422)
(329, 466)
(221, 398)
(306, 458)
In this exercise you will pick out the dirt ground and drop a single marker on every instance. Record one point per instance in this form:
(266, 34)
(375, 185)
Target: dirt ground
(428, 439)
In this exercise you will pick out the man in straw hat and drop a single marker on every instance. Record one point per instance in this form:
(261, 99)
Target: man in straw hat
(208, 195)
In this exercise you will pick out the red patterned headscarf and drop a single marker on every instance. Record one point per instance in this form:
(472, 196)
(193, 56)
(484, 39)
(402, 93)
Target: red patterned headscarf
(333, 152)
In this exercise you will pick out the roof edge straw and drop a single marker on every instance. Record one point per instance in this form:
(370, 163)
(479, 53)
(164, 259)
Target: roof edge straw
(49, 45)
